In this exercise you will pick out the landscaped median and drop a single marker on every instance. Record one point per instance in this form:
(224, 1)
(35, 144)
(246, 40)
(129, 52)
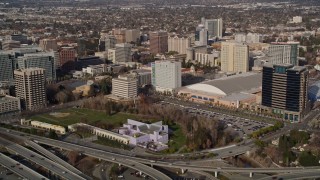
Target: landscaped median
(278, 125)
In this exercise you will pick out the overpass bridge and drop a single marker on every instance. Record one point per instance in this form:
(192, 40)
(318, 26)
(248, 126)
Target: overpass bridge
(55, 158)
(20, 169)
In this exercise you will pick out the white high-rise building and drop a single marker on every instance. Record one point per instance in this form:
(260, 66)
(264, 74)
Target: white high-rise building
(248, 38)
(179, 44)
(121, 53)
(214, 27)
(125, 86)
(283, 53)
(166, 75)
(234, 57)
(201, 36)
(30, 87)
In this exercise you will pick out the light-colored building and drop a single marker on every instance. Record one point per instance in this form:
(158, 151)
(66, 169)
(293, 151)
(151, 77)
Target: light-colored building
(132, 35)
(48, 127)
(201, 36)
(166, 75)
(142, 133)
(179, 43)
(6, 67)
(101, 132)
(234, 57)
(30, 87)
(248, 38)
(297, 19)
(10, 44)
(214, 27)
(48, 44)
(121, 53)
(120, 35)
(9, 104)
(158, 42)
(232, 91)
(125, 86)
(283, 53)
(96, 69)
(39, 60)
(207, 59)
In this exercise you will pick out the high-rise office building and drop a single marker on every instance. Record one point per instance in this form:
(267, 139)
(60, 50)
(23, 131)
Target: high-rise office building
(121, 53)
(67, 57)
(10, 44)
(6, 67)
(284, 91)
(110, 42)
(283, 53)
(214, 27)
(166, 75)
(125, 86)
(38, 61)
(179, 43)
(30, 87)
(120, 35)
(201, 36)
(48, 44)
(248, 38)
(234, 57)
(132, 35)
(158, 42)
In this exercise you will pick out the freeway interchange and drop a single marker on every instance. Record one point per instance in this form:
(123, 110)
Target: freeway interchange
(141, 164)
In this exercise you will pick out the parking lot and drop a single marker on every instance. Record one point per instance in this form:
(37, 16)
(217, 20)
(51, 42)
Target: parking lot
(241, 125)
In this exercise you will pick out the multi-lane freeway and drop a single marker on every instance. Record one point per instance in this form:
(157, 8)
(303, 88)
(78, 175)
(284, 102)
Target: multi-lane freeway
(19, 169)
(133, 162)
(55, 158)
(55, 168)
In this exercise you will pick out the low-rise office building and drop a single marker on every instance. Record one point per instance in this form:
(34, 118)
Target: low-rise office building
(9, 104)
(48, 127)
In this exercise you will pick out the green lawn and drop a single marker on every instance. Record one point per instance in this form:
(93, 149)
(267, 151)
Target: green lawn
(176, 140)
(88, 116)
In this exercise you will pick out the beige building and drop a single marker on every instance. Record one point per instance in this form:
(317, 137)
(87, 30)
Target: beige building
(234, 57)
(48, 127)
(101, 132)
(125, 86)
(48, 44)
(179, 43)
(132, 35)
(30, 87)
(9, 104)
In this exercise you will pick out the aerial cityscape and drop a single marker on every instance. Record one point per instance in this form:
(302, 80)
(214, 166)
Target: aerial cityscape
(159, 89)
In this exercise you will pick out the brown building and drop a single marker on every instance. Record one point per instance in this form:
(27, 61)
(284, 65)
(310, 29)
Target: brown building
(158, 42)
(120, 35)
(30, 87)
(48, 44)
(67, 57)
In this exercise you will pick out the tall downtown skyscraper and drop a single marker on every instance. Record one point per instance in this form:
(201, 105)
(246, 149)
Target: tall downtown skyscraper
(30, 87)
(201, 35)
(214, 27)
(283, 52)
(179, 43)
(166, 75)
(234, 57)
(158, 42)
(284, 90)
